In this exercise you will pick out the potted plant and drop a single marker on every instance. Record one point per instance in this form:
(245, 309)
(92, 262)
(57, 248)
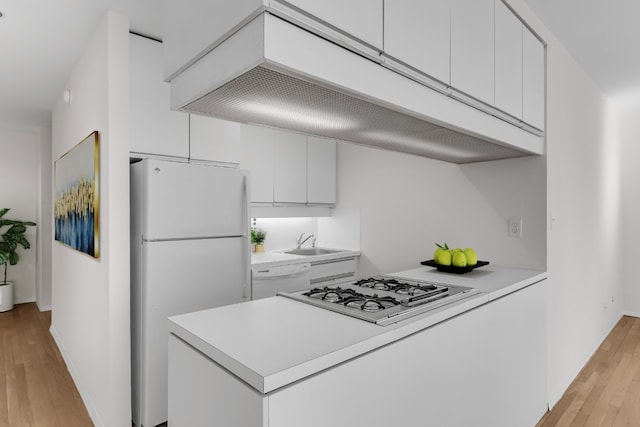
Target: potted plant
(10, 239)
(257, 239)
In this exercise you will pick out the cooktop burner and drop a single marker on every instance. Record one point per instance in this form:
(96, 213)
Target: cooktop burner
(383, 299)
(331, 294)
(370, 304)
(351, 298)
(380, 283)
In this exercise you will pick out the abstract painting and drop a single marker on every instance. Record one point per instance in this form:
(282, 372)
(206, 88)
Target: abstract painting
(76, 206)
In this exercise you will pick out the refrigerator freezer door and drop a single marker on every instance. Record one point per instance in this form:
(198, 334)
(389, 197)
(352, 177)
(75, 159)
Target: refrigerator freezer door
(181, 277)
(192, 200)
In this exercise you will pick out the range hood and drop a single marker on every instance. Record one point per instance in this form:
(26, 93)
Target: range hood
(270, 72)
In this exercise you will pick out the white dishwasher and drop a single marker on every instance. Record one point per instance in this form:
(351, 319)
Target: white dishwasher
(268, 281)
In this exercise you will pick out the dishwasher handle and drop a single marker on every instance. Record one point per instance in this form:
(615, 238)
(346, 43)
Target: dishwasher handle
(281, 272)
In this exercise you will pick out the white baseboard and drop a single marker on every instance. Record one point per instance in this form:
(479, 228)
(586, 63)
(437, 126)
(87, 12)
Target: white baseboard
(631, 313)
(43, 308)
(86, 399)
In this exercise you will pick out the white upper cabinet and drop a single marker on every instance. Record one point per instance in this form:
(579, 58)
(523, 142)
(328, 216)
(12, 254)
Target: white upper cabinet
(257, 157)
(472, 48)
(417, 32)
(290, 167)
(533, 89)
(508, 77)
(359, 18)
(214, 139)
(155, 129)
(321, 171)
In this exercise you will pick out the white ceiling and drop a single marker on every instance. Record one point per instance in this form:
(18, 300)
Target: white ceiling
(40, 41)
(604, 38)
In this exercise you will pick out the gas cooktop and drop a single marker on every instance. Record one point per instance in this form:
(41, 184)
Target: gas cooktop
(383, 299)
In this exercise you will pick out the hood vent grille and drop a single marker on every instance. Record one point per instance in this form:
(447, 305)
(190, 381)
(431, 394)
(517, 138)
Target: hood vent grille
(273, 98)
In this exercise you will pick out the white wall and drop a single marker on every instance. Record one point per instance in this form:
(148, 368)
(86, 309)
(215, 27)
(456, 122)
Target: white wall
(407, 203)
(630, 137)
(583, 198)
(90, 315)
(584, 207)
(45, 222)
(19, 172)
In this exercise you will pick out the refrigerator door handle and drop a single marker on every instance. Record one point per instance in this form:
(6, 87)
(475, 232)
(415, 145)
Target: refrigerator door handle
(246, 285)
(246, 204)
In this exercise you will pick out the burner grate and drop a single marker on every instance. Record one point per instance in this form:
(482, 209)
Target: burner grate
(380, 284)
(370, 304)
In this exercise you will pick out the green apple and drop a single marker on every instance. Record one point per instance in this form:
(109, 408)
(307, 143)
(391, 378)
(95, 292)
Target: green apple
(438, 251)
(472, 257)
(459, 259)
(444, 258)
(436, 254)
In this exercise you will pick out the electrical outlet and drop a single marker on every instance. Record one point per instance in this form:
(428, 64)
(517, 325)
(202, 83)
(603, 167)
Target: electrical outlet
(515, 227)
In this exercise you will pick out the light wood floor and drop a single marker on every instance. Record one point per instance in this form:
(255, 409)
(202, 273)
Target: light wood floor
(35, 386)
(607, 390)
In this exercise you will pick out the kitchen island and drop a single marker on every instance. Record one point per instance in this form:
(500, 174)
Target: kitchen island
(278, 362)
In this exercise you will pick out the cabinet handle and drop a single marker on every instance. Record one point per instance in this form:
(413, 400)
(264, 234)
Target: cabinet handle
(334, 277)
(331, 261)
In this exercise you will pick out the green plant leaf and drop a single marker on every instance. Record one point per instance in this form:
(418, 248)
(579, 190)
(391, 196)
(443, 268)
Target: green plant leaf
(17, 229)
(24, 242)
(12, 238)
(14, 258)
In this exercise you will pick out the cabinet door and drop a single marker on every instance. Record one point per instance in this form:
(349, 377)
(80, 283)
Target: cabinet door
(533, 80)
(155, 129)
(289, 167)
(359, 18)
(508, 78)
(472, 48)
(321, 170)
(214, 139)
(257, 157)
(417, 32)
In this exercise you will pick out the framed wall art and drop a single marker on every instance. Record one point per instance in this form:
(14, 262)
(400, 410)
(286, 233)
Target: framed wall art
(77, 201)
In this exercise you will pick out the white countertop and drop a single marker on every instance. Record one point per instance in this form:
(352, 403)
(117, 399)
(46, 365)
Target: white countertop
(495, 281)
(275, 258)
(272, 342)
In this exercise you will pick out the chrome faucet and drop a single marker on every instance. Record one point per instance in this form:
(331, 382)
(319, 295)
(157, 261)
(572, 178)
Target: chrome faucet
(300, 242)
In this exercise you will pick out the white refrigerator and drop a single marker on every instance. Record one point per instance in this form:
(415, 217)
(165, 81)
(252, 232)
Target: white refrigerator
(189, 251)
